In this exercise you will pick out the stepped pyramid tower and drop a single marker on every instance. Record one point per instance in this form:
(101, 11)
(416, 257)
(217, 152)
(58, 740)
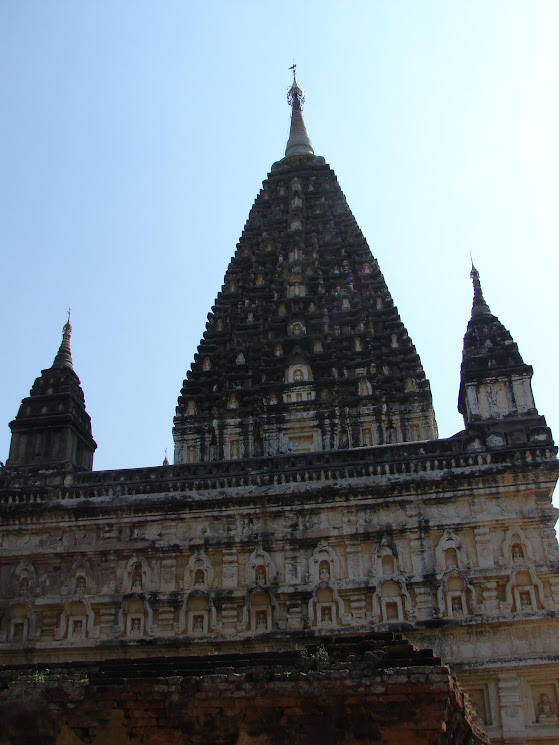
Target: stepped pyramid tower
(52, 425)
(304, 349)
(495, 390)
(316, 565)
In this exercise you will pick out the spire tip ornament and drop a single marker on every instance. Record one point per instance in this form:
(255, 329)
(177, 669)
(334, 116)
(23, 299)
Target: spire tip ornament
(479, 305)
(299, 142)
(64, 355)
(295, 95)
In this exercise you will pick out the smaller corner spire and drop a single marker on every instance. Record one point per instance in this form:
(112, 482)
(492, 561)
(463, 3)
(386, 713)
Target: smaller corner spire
(479, 306)
(64, 355)
(299, 142)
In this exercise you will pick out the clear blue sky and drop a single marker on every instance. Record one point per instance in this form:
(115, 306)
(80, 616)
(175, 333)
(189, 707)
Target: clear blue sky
(134, 137)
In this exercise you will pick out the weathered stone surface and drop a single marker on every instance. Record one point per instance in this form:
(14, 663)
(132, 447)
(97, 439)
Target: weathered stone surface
(272, 699)
(304, 350)
(309, 497)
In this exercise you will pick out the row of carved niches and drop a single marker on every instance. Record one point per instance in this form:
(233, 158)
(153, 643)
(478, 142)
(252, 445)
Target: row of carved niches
(258, 612)
(454, 565)
(391, 599)
(454, 553)
(539, 699)
(367, 373)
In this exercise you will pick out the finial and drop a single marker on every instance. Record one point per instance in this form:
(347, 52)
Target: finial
(295, 95)
(165, 459)
(479, 306)
(64, 355)
(293, 68)
(298, 142)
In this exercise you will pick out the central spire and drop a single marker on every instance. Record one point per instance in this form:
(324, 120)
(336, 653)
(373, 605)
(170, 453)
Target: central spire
(304, 349)
(479, 306)
(64, 355)
(299, 142)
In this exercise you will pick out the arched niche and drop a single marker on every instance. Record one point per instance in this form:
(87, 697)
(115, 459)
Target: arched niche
(299, 372)
(197, 615)
(456, 596)
(392, 602)
(326, 608)
(260, 607)
(296, 286)
(260, 569)
(386, 557)
(19, 623)
(199, 572)
(137, 577)
(323, 555)
(135, 618)
(388, 563)
(296, 328)
(77, 622)
(197, 611)
(524, 592)
(25, 578)
(450, 553)
(515, 539)
(296, 252)
(78, 579)
(364, 387)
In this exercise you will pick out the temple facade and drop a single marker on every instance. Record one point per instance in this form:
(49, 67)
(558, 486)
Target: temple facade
(310, 498)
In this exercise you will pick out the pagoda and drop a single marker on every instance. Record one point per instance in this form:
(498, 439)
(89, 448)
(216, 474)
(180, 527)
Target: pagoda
(304, 349)
(317, 565)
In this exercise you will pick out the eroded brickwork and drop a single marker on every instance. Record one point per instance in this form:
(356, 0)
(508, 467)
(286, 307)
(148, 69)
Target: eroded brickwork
(376, 690)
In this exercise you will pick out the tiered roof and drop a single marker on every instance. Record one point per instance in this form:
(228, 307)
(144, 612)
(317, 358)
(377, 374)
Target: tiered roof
(488, 345)
(304, 347)
(52, 425)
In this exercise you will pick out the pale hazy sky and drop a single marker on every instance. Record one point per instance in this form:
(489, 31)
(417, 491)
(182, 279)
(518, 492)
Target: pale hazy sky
(134, 137)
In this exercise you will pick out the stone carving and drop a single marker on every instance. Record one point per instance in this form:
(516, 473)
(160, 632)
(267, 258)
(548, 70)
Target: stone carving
(450, 553)
(323, 555)
(136, 578)
(78, 578)
(260, 569)
(524, 591)
(135, 618)
(77, 621)
(326, 608)
(364, 388)
(392, 602)
(199, 571)
(25, 578)
(546, 708)
(386, 559)
(197, 614)
(456, 596)
(19, 622)
(262, 460)
(517, 548)
(480, 704)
